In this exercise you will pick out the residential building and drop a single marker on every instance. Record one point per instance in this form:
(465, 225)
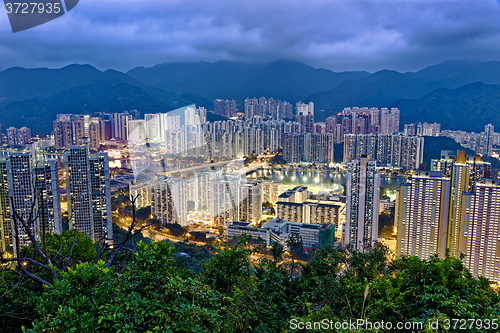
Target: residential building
(310, 212)
(18, 137)
(169, 200)
(481, 222)
(250, 201)
(464, 175)
(224, 204)
(422, 215)
(88, 192)
(22, 193)
(226, 108)
(203, 187)
(362, 206)
(308, 147)
(393, 150)
(5, 222)
(271, 191)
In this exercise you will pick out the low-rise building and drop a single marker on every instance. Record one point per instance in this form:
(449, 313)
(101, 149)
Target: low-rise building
(271, 191)
(278, 230)
(386, 206)
(310, 212)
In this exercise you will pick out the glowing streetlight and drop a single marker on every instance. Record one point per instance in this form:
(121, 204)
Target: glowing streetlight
(293, 177)
(316, 180)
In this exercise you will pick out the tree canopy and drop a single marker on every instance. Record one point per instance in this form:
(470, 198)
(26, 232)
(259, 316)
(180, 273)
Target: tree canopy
(234, 290)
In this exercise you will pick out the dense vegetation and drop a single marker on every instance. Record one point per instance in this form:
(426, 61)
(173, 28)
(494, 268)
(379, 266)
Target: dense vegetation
(467, 108)
(434, 145)
(153, 291)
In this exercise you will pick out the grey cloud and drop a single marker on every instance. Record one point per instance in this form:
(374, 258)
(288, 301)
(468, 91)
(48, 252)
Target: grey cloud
(341, 34)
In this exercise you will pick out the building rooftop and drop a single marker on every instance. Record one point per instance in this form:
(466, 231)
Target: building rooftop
(310, 226)
(286, 194)
(241, 224)
(288, 203)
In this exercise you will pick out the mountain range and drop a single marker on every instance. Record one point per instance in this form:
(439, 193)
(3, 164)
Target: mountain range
(459, 94)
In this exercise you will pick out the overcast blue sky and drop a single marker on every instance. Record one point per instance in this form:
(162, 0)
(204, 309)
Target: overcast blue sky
(335, 34)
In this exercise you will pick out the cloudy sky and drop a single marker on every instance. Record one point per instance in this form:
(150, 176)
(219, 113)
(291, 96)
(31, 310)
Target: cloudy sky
(335, 34)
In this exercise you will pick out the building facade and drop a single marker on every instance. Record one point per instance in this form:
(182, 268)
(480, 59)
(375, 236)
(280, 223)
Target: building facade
(422, 217)
(362, 205)
(88, 192)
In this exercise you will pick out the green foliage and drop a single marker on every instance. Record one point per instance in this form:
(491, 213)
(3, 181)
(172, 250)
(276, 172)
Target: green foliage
(423, 290)
(269, 207)
(19, 297)
(434, 145)
(152, 295)
(198, 255)
(249, 159)
(175, 229)
(278, 159)
(83, 251)
(383, 194)
(385, 224)
(158, 291)
(142, 214)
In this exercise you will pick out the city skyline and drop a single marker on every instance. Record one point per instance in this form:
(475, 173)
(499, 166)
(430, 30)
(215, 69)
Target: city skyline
(191, 170)
(250, 166)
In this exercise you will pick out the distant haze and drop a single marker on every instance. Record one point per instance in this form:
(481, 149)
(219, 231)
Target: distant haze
(403, 35)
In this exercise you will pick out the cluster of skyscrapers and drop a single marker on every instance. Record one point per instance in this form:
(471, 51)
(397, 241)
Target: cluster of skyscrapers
(267, 108)
(18, 136)
(363, 121)
(422, 129)
(481, 143)
(29, 190)
(225, 107)
(227, 139)
(454, 206)
(308, 147)
(394, 150)
(70, 129)
(213, 194)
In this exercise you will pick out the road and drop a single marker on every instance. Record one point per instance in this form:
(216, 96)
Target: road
(203, 166)
(153, 233)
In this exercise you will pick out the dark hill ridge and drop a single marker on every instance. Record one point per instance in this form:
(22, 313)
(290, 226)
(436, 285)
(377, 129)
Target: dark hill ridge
(17, 84)
(456, 73)
(446, 93)
(110, 91)
(282, 79)
(376, 90)
(466, 108)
